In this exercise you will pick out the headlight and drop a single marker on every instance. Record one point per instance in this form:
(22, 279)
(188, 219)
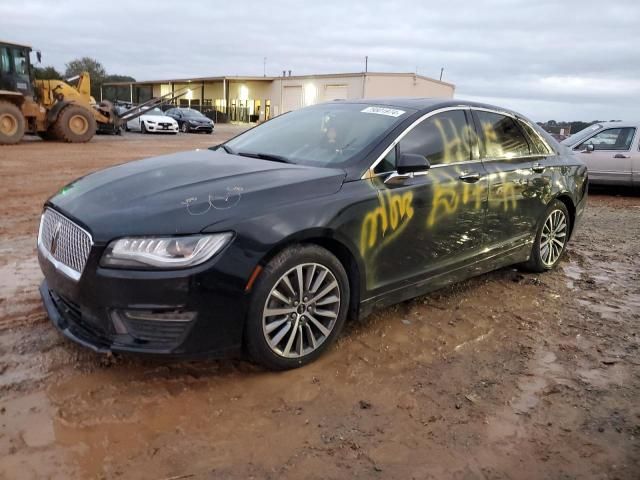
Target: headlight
(150, 121)
(164, 252)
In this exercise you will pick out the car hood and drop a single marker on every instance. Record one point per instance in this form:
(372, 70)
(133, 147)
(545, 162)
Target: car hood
(187, 192)
(157, 118)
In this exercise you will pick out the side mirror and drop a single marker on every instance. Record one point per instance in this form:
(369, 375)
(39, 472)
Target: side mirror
(589, 148)
(39, 56)
(411, 163)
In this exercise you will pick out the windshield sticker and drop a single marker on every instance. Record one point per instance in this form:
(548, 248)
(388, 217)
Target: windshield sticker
(390, 112)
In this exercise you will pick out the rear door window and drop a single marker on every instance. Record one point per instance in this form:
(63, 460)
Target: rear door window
(611, 139)
(442, 138)
(501, 136)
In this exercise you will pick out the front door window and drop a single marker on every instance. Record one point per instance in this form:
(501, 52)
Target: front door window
(611, 139)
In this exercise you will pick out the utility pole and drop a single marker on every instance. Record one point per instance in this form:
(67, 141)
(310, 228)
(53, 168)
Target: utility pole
(366, 64)
(441, 71)
(264, 67)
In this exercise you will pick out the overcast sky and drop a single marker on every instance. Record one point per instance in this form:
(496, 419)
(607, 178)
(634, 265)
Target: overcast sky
(562, 60)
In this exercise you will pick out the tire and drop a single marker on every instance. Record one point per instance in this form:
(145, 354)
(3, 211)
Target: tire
(554, 229)
(74, 124)
(275, 349)
(11, 123)
(143, 128)
(184, 128)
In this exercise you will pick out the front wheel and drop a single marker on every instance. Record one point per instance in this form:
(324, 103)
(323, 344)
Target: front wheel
(75, 124)
(184, 128)
(551, 238)
(298, 308)
(143, 128)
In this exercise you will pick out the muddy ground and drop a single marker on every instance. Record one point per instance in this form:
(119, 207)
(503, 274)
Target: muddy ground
(506, 376)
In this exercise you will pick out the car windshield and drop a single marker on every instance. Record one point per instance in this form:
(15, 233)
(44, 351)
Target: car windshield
(577, 138)
(154, 111)
(192, 113)
(327, 135)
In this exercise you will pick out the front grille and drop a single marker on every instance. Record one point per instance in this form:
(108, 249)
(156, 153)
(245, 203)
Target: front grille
(64, 241)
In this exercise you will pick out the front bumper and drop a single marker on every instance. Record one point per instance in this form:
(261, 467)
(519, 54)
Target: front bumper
(200, 128)
(93, 311)
(158, 128)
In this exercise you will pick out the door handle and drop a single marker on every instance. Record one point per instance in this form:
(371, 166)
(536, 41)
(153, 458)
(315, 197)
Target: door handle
(471, 177)
(621, 155)
(538, 168)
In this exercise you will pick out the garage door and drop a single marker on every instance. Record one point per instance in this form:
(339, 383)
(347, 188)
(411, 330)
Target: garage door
(335, 92)
(291, 98)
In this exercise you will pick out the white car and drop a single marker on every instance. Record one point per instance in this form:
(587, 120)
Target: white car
(153, 121)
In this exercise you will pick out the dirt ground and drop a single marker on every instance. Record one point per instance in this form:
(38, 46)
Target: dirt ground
(506, 376)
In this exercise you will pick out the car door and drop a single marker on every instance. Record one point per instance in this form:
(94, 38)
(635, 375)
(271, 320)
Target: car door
(517, 179)
(609, 160)
(435, 219)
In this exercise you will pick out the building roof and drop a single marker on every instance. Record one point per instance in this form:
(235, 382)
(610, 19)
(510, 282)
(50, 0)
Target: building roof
(14, 44)
(270, 79)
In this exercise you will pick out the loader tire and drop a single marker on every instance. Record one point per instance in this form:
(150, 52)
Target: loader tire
(74, 124)
(11, 123)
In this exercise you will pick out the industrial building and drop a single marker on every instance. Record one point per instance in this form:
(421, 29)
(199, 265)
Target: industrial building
(252, 99)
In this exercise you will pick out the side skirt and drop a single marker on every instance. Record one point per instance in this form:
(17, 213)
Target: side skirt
(504, 258)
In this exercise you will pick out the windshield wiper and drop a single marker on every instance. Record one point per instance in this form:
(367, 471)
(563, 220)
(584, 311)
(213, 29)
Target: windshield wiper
(224, 147)
(265, 156)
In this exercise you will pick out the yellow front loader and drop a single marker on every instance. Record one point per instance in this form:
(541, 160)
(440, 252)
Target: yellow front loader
(54, 109)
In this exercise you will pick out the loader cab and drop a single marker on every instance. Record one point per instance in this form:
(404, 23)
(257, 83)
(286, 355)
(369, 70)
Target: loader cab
(15, 68)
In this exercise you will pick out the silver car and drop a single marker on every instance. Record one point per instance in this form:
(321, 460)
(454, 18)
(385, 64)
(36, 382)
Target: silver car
(611, 152)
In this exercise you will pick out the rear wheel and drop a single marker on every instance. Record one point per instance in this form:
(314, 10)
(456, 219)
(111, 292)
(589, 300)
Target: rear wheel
(551, 238)
(298, 308)
(11, 123)
(74, 124)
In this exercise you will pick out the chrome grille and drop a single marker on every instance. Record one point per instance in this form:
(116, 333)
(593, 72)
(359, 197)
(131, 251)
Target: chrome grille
(66, 244)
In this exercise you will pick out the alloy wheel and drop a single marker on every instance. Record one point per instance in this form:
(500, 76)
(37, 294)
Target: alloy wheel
(553, 237)
(301, 310)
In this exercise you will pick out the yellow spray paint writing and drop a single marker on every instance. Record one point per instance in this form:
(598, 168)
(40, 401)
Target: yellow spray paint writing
(387, 220)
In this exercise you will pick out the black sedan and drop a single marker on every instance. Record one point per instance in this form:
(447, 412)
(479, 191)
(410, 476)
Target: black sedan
(190, 120)
(268, 243)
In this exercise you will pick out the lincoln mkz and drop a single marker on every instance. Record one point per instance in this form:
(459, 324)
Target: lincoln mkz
(267, 243)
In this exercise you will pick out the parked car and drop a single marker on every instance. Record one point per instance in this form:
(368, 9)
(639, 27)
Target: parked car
(268, 242)
(153, 121)
(611, 151)
(191, 120)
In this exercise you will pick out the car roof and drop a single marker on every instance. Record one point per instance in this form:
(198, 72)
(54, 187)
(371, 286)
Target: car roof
(426, 103)
(617, 124)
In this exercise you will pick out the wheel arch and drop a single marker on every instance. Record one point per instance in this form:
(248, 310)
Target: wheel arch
(52, 114)
(341, 248)
(567, 199)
